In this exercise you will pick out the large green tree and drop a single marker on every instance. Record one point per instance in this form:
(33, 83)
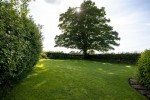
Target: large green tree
(87, 29)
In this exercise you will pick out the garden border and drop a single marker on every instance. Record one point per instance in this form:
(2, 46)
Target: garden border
(139, 88)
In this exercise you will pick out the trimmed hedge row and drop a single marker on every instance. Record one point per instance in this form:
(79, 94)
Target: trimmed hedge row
(61, 55)
(20, 44)
(129, 58)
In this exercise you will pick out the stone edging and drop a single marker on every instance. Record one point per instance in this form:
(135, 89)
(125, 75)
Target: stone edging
(141, 89)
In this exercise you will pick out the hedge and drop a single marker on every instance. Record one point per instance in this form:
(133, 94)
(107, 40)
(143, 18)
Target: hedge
(20, 44)
(61, 55)
(128, 58)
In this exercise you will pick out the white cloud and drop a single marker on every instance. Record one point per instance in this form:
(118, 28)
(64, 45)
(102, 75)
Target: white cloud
(53, 1)
(147, 24)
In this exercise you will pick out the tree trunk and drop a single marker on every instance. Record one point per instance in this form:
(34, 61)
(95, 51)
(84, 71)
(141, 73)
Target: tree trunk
(85, 55)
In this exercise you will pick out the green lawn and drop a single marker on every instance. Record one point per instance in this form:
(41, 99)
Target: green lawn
(77, 80)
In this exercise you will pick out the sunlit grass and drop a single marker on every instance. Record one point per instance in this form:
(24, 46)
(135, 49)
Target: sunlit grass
(77, 80)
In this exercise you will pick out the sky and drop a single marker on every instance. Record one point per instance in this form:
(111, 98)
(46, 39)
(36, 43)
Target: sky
(130, 18)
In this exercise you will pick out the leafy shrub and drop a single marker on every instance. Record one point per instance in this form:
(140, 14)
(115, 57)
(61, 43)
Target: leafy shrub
(43, 55)
(20, 44)
(144, 68)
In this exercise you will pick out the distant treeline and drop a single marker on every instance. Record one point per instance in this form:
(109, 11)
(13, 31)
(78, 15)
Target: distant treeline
(128, 58)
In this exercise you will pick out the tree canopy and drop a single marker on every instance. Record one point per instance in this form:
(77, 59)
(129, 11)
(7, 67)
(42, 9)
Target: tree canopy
(87, 29)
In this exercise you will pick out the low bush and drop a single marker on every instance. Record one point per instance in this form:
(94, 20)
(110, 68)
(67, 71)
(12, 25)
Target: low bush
(144, 68)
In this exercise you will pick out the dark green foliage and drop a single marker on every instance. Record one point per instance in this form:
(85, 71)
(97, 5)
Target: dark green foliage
(87, 29)
(127, 58)
(144, 68)
(20, 44)
(61, 55)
